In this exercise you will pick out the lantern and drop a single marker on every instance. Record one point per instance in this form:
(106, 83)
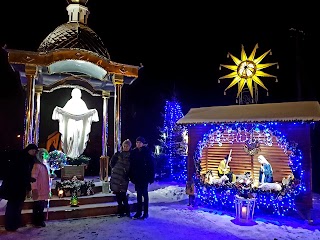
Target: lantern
(244, 208)
(60, 193)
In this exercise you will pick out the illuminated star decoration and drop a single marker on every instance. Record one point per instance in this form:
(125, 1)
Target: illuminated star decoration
(247, 71)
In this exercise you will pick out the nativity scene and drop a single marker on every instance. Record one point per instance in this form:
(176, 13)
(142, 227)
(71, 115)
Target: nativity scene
(254, 154)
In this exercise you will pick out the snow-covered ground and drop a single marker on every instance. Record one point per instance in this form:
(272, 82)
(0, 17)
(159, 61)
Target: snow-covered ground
(171, 218)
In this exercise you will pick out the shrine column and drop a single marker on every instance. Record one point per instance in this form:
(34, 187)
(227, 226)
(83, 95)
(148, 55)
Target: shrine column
(104, 159)
(118, 83)
(28, 131)
(37, 114)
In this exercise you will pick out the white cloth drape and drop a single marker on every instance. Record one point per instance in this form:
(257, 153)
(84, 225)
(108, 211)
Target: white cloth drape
(74, 129)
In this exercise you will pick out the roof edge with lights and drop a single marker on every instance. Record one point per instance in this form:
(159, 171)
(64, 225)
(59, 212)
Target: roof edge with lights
(306, 111)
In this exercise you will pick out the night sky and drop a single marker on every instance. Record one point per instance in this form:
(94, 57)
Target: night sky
(180, 46)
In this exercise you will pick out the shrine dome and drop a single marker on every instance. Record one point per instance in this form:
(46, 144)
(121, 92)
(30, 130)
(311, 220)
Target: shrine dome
(75, 34)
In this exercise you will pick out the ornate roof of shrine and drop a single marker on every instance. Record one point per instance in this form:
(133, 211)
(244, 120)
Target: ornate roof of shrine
(74, 35)
(282, 112)
(72, 54)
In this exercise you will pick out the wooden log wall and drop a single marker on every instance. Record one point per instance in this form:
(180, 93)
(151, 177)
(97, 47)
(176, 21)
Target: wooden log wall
(241, 161)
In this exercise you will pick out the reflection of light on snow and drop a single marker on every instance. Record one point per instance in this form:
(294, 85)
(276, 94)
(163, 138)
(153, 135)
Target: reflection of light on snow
(172, 220)
(168, 194)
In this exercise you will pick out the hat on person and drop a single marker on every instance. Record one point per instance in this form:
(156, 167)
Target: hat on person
(31, 146)
(141, 139)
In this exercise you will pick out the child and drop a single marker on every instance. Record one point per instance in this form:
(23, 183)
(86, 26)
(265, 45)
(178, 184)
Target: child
(40, 191)
(190, 192)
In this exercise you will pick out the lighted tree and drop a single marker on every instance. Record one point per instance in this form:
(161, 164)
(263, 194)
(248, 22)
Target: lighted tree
(173, 143)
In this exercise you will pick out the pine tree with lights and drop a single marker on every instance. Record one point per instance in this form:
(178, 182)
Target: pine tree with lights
(173, 142)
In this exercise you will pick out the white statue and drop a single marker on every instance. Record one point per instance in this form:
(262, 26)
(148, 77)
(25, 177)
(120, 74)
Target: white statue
(75, 121)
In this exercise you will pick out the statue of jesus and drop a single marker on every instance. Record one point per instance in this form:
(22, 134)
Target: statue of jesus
(75, 121)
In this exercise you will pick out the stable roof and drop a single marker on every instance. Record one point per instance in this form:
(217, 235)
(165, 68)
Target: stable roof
(283, 112)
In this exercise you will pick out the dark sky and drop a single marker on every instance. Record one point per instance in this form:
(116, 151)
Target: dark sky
(181, 47)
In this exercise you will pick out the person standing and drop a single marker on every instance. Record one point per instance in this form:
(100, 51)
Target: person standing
(224, 168)
(16, 184)
(190, 190)
(141, 175)
(119, 179)
(40, 191)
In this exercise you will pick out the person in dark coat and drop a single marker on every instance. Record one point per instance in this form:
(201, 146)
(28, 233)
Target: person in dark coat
(16, 184)
(141, 175)
(119, 180)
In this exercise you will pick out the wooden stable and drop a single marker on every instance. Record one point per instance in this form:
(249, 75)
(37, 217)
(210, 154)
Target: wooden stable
(291, 120)
(241, 162)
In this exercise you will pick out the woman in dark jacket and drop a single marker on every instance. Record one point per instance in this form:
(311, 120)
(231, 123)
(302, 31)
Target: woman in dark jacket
(119, 180)
(16, 184)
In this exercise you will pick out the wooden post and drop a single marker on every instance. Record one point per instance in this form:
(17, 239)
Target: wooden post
(104, 165)
(252, 170)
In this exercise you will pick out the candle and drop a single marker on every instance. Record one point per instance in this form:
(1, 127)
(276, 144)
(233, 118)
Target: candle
(60, 193)
(244, 212)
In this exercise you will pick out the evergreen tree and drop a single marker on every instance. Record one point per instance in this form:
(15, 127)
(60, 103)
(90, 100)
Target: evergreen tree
(173, 143)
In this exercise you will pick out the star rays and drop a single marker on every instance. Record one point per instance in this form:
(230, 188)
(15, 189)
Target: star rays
(247, 71)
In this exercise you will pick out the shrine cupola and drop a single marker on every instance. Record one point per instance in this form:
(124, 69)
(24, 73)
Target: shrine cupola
(72, 54)
(75, 33)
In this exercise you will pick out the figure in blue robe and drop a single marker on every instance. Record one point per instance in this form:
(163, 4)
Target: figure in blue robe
(266, 172)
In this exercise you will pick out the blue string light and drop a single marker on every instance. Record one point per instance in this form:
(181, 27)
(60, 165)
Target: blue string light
(280, 203)
(174, 142)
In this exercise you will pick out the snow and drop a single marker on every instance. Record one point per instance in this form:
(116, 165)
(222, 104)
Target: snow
(171, 218)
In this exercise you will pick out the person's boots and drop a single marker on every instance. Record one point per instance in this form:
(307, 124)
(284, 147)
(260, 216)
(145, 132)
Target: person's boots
(127, 210)
(120, 211)
(139, 211)
(126, 206)
(145, 211)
